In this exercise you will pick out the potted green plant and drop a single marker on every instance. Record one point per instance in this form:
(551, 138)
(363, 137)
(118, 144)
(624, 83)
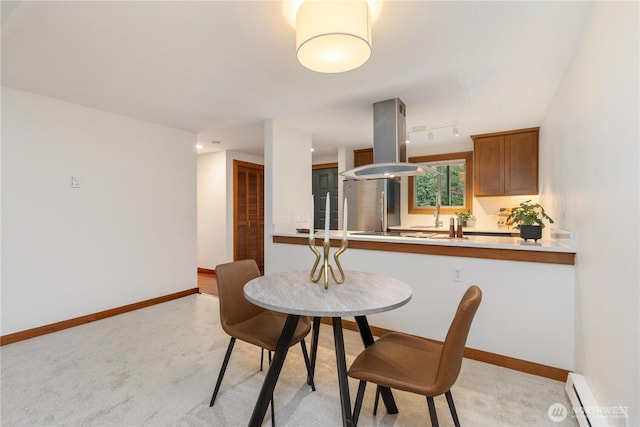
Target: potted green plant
(528, 217)
(465, 217)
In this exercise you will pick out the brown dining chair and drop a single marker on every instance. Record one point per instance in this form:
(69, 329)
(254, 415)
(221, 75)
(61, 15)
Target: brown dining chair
(416, 364)
(249, 323)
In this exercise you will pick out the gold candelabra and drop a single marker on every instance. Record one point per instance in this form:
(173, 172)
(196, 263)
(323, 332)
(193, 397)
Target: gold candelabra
(326, 267)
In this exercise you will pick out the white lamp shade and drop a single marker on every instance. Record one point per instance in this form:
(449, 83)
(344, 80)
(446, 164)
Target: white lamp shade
(333, 36)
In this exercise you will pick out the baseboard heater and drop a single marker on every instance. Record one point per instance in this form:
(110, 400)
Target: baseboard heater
(585, 408)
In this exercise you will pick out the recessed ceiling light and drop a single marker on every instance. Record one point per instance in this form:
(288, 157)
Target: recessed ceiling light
(198, 146)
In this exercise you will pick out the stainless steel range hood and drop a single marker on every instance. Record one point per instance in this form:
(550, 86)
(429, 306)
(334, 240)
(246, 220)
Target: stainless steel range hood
(389, 145)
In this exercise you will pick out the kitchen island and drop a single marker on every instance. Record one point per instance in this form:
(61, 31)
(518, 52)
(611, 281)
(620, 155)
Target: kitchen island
(558, 250)
(526, 320)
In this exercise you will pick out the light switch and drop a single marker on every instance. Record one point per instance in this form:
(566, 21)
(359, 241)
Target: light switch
(75, 181)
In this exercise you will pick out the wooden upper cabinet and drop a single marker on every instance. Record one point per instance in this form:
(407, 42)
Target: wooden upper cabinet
(506, 163)
(521, 163)
(362, 157)
(488, 166)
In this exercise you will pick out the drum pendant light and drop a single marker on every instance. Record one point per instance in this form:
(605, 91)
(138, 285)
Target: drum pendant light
(333, 36)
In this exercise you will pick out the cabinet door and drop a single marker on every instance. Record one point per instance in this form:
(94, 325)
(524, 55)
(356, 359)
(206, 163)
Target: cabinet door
(488, 171)
(521, 163)
(362, 157)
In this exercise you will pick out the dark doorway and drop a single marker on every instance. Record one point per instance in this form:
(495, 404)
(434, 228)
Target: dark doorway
(324, 179)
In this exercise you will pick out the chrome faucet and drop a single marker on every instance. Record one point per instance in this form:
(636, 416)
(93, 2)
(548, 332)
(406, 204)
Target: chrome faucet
(438, 201)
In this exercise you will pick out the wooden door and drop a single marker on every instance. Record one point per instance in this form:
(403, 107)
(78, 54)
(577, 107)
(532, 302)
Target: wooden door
(248, 212)
(324, 179)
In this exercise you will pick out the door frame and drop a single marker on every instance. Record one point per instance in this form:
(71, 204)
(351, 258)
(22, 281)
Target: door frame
(236, 165)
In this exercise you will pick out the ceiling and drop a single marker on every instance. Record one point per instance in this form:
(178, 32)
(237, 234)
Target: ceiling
(218, 69)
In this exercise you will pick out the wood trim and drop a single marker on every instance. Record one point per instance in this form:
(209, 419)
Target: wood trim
(65, 324)
(566, 258)
(256, 166)
(506, 132)
(519, 365)
(206, 271)
(468, 183)
(237, 163)
(325, 165)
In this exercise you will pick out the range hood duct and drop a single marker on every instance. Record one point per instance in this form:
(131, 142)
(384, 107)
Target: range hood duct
(389, 144)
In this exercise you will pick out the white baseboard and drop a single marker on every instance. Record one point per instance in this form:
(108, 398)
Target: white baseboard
(586, 410)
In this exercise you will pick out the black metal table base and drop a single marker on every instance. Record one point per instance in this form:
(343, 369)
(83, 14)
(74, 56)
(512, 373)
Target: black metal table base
(266, 392)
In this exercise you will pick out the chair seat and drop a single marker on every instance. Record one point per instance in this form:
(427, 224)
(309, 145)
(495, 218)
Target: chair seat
(265, 328)
(402, 362)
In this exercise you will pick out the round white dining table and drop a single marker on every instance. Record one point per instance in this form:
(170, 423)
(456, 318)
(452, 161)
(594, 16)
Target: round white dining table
(294, 293)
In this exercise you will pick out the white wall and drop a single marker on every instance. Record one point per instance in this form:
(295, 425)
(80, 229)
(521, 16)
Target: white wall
(287, 182)
(213, 220)
(589, 169)
(127, 235)
(520, 316)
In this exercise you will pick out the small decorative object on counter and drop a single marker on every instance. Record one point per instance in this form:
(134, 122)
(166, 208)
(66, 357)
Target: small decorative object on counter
(528, 218)
(452, 228)
(503, 214)
(465, 217)
(326, 267)
(459, 232)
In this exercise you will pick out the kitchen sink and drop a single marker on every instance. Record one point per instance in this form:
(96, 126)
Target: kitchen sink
(395, 234)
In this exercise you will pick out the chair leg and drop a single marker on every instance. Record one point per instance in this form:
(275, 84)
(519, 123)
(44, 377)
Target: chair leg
(358, 403)
(432, 412)
(222, 370)
(314, 352)
(273, 417)
(375, 403)
(261, 358)
(305, 355)
(452, 408)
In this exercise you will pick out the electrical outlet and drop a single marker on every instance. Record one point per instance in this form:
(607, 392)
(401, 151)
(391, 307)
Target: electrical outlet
(457, 274)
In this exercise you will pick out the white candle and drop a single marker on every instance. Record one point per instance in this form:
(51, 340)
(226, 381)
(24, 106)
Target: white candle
(311, 227)
(327, 217)
(344, 220)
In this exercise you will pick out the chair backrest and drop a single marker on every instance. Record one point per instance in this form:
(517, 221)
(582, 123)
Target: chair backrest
(453, 348)
(231, 277)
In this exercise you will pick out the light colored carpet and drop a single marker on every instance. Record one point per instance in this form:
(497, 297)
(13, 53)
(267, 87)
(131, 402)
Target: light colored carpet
(157, 367)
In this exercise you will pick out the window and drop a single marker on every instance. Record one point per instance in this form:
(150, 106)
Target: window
(455, 179)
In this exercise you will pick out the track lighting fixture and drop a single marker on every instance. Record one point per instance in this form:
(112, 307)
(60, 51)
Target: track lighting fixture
(430, 135)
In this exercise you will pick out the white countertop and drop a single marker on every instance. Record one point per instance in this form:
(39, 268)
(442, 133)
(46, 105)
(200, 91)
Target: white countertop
(562, 241)
(443, 229)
